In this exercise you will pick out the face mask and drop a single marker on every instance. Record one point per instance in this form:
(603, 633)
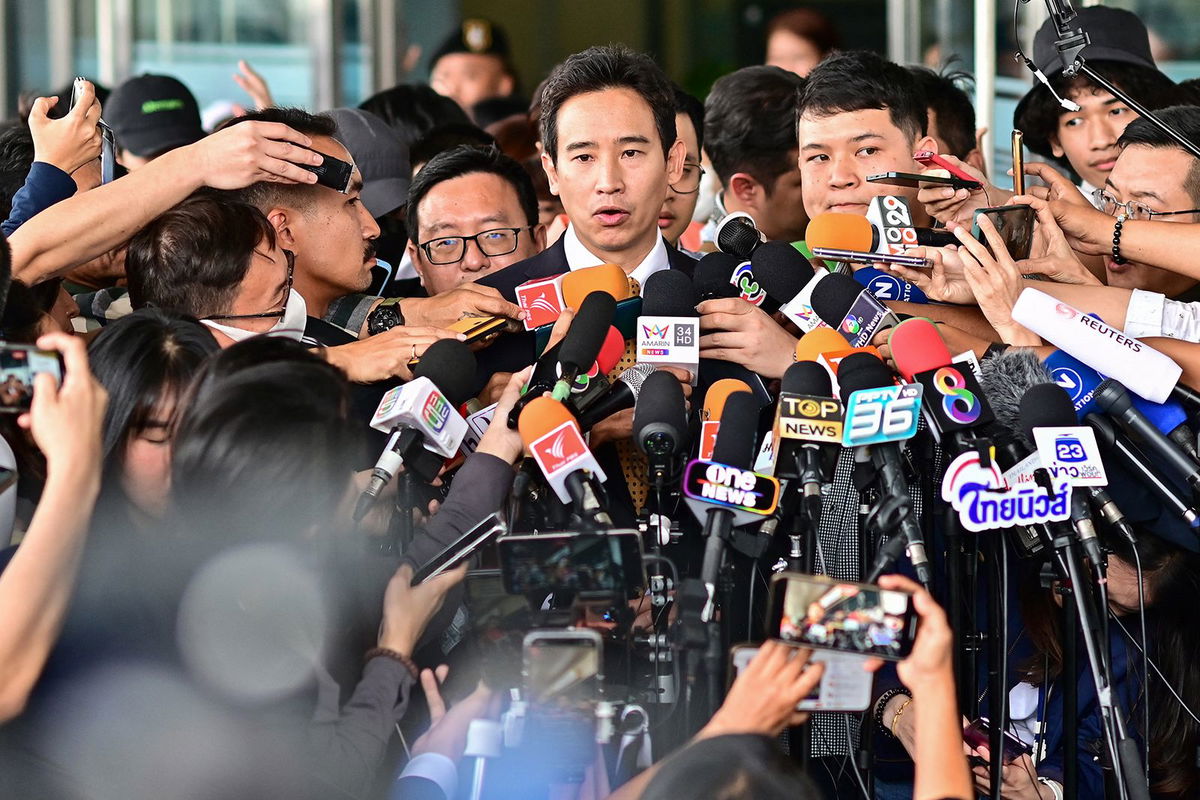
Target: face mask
(290, 326)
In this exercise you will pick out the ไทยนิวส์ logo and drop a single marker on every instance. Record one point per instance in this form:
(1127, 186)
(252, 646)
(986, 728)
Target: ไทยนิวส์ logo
(983, 503)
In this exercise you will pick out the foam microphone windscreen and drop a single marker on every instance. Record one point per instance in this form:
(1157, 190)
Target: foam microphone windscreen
(780, 270)
(917, 347)
(735, 444)
(607, 278)
(819, 341)
(807, 377)
(717, 394)
(588, 330)
(450, 364)
(669, 293)
(1046, 405)
(1004, 379)
(611, 351)
(841, 232)
(833, 297)
(862, 371)
(661, 404)
(738, 235)
(540, 416)
(711, 276)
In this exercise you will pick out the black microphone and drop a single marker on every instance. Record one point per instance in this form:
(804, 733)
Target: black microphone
(863, 370)
(738, 235)
(669, 293)
(584, 339)
(844, 305)
(711, 277)
(801, 446)
(1116, 402)
(660, 426)
(621, 395)
(1046, 405)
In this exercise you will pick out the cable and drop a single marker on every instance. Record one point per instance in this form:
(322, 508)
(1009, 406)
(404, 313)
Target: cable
(1141, 584)
(1158, 672)
(854, 767)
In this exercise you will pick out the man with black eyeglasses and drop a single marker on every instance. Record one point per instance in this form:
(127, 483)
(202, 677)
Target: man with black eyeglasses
(680, 204)
(472, 211)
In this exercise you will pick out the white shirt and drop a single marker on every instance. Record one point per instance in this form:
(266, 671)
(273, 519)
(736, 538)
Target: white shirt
(579, 257)
(1088, 190)
(1154, 314)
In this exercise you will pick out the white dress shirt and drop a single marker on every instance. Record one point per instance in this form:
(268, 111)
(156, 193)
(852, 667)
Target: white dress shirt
(579, 257)
(1154, 314)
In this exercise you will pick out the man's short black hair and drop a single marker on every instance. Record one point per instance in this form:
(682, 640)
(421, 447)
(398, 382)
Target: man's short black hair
(690, 105)
(748, 124)
(267, 194)
(858, 80)
(1038, 113)
(467, 160)
(952, 106)
(192, 258)
(447, 137)
(413, 110)
(608, 67)
(16, 157)
(1186, 120)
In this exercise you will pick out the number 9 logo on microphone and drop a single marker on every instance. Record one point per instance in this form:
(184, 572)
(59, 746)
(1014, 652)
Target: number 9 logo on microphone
(957, 401)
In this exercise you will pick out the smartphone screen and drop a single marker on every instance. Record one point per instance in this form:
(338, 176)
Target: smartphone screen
(583, 565)
(816, 611)
(18, 364)
(844, 686)
(979, 732)
(1015, 226)
(562, 670)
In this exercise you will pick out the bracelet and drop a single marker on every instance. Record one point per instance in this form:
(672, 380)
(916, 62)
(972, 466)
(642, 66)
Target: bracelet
(882, 702)
(408, 663)
(1116, 248)
(895, 719)
(1055, 787)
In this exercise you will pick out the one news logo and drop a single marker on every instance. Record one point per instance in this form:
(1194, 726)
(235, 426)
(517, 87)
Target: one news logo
(559, 448)
(739, 489)
(435, 411)
(541, 301)
(747, 286)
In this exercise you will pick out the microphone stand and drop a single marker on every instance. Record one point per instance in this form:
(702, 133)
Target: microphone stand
(1072, 41)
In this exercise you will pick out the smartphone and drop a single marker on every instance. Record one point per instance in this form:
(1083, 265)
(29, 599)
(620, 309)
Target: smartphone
(76, 90)
(592, 566)
(332, 172)
(476, 329)
(979, 733)
(462, 548)
(110, 170)
(18, 364)
(1015, 226)
(928, 158)
(914, 180)
(817, 611)
(562, 670)
(1018, 162)
(845, 685)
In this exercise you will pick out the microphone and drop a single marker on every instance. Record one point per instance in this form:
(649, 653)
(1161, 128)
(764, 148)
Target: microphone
(808, 420)
(1045, 405)
(556, 443)
(607, 278)
(850, 309)
(584, 339)
(1141, 368)
(789, 279)
(421, 418)
(719, 275)
(712, 412)
(1116, 402)
(862, 234)
(863, 374)
(668, 333)
(621, 395)
(852, 238)
(738, 235)
(660, 426)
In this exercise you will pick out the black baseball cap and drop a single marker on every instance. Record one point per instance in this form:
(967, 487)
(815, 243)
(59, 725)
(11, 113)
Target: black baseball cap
(151, 114)
(381, 156)
(477, 36)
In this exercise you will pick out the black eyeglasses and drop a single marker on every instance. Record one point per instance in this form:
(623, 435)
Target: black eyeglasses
(446, 250)
(287, 293)
(690, 182)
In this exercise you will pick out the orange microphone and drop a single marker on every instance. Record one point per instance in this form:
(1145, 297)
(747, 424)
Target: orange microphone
(816, 343)
(710, 413)
(841, 232)
(608, 278)
(555, 441)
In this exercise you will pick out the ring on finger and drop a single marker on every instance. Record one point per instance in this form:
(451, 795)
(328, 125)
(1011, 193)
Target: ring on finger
(414, 353)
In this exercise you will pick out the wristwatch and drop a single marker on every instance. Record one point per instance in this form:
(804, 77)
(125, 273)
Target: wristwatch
(385, 316)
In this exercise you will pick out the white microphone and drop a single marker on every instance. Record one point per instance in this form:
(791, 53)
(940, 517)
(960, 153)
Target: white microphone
(1142, 369)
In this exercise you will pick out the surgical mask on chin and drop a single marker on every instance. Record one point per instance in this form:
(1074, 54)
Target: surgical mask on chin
(290, 326)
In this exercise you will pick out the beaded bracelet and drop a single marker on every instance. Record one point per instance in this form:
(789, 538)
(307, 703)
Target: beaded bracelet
(395, 656)
(1116, 248)
(882, 702)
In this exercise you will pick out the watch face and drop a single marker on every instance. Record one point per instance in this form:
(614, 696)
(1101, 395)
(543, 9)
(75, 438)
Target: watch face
(383, 318)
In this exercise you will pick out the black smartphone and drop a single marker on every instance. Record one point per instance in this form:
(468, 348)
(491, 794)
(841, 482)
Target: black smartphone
(18, 364)
(817, 611)
(563, 669)
(1015, 226)
(332, 172)
(110, 170)
(462, 548)
(979, 733)
(591, 566)
(914, 180)
(1018, 162)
